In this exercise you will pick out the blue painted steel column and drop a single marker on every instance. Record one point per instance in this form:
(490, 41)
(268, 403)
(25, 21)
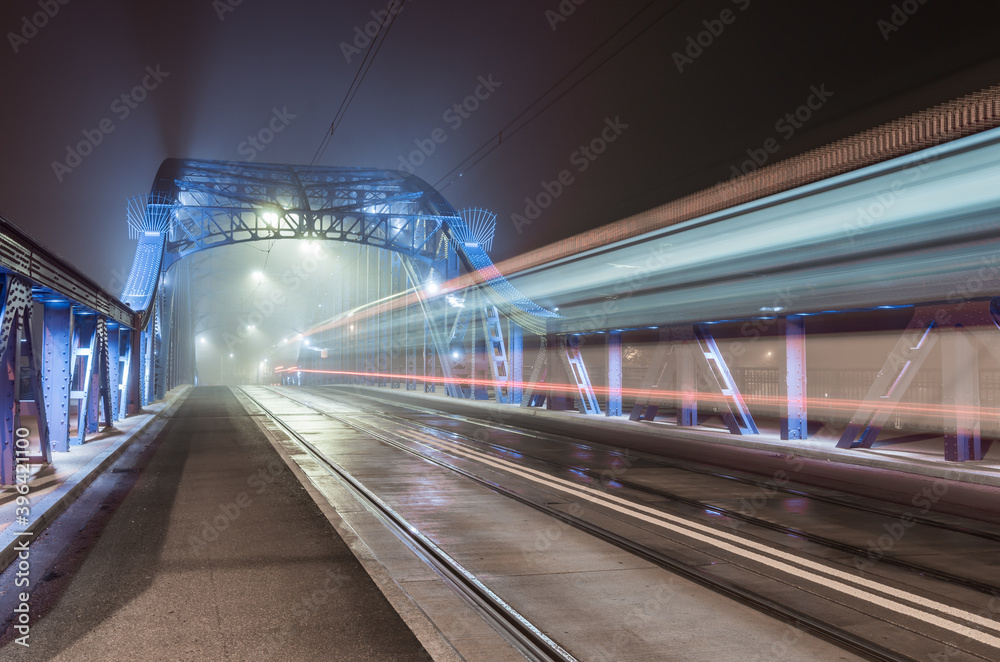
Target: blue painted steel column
(134, 362)
(98, 375)
(794, 411)
(114, 374)
(515, 357)
(57, 348)
(480, 372)
(687, 412)
(558, 399)
(33, 352)
(614, 373)
(430, 361)
(8, 317)
(960, 390)
(125, 353)
(144, 360)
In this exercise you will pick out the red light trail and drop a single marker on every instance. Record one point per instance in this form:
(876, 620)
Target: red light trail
(663, 396)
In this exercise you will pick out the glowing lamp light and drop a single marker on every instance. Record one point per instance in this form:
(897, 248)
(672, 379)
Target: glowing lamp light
(432, 287)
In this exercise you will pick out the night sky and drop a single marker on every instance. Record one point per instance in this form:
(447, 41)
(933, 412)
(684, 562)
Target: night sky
(551, 77)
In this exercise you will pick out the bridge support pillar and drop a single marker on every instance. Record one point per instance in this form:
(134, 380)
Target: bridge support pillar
(430, 362)
(515, 356)
(84, 342)
(57, 347)
(558, 399)
(687, 381)
(960, 381)
(17, 344)
(133, 362)
(115, 376)
(794, 416)
(910, 352)
(736, 414)
(614, 373)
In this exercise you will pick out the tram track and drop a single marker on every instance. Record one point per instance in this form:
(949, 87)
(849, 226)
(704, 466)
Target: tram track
(519, 631)
(859, 552)
(690, 467)
(817, 626)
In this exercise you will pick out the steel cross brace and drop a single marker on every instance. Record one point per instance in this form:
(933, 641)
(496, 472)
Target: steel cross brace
(496, 353)
(737, 417)
(910, 352)
(539, 370)
(16, 330)
(644, 407)
(84, 340)
(577, 370)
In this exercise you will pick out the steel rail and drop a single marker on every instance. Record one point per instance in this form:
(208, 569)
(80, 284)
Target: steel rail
(521, 633)
(815, 626)
(692, 468)
(915, 568)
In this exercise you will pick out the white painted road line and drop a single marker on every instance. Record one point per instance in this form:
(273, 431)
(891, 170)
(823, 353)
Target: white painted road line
(777, 559)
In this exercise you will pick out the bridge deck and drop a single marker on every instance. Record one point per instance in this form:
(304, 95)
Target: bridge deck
(232, 560)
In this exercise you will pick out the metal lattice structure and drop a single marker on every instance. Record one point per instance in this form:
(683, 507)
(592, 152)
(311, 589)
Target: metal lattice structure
(200, 205)
(433, 308)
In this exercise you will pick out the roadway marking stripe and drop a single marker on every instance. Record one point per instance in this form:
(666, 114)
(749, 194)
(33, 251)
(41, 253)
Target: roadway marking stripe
(718, 539)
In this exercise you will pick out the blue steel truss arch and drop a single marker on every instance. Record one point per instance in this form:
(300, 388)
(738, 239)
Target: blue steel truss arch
(218, 203)
(196, 205)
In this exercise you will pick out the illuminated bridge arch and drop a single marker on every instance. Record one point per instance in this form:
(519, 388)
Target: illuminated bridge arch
(196, 205)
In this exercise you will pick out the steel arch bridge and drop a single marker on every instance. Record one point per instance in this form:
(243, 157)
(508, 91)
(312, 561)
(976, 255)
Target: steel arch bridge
(198, 205)
(71, 349)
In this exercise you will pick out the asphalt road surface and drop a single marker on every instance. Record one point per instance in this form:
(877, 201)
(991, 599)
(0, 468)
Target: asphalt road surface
(215, 552)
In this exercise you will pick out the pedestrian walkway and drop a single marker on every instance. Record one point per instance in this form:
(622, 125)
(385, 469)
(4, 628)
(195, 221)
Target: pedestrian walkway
(218, 553)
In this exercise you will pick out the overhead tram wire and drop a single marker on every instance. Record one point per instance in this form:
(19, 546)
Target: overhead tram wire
(359, 77)
(524, 119)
